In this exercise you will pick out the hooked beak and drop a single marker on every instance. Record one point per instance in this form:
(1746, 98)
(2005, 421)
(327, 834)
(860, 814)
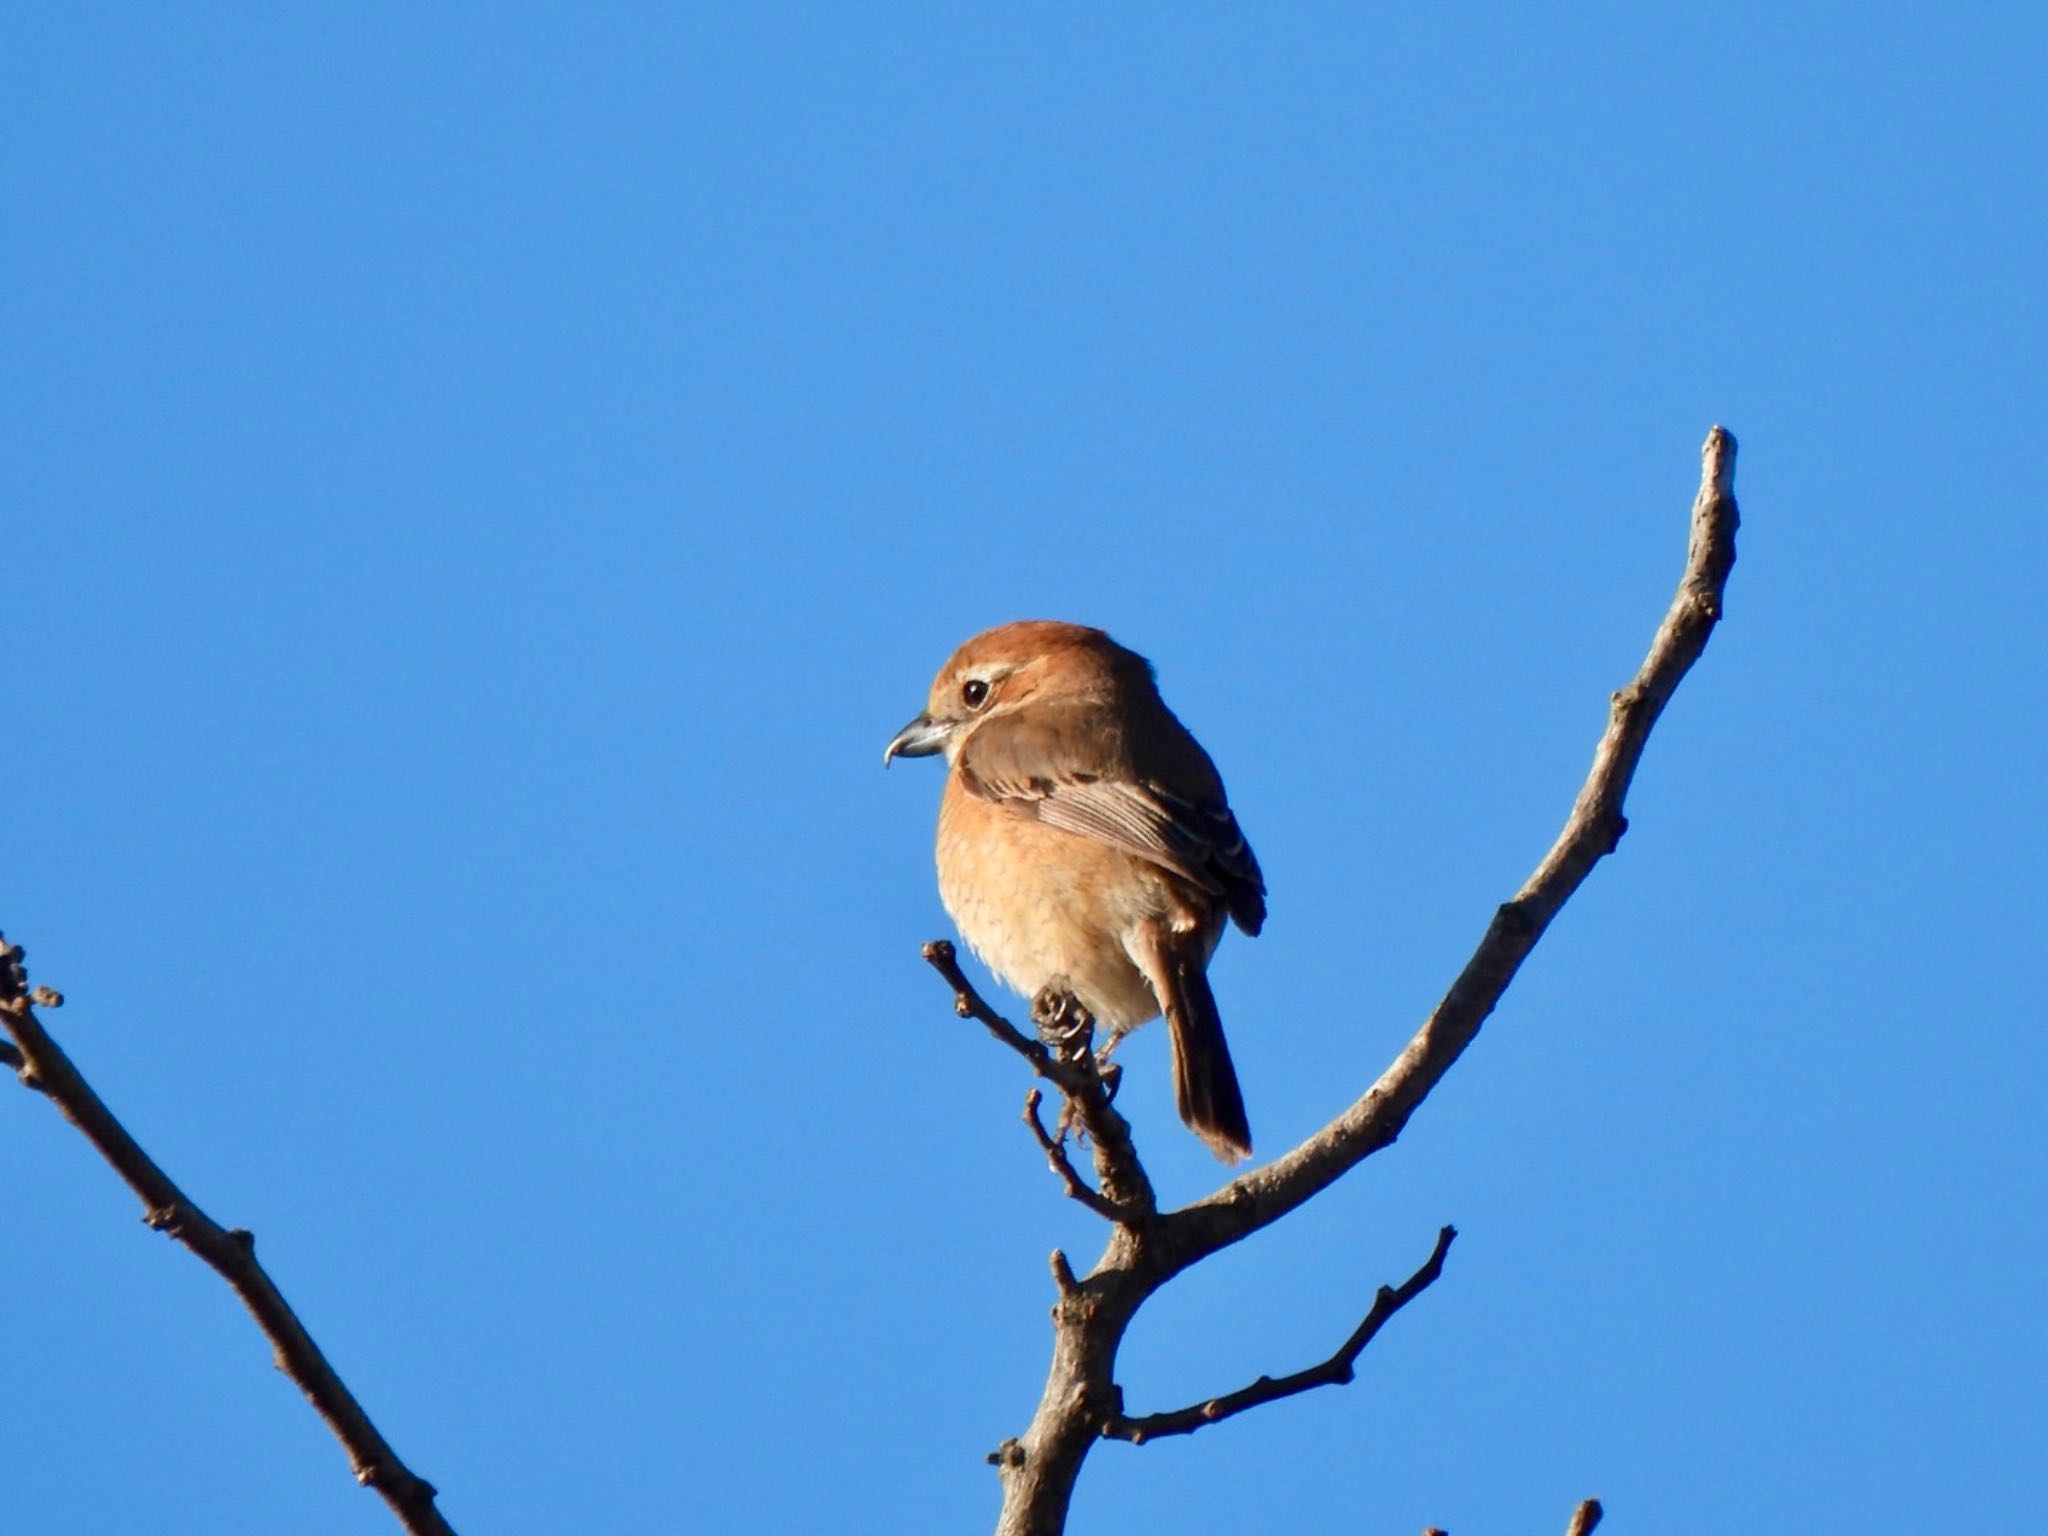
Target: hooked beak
(921, 738)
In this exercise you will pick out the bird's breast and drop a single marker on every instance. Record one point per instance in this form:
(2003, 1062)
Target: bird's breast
(1045, 907)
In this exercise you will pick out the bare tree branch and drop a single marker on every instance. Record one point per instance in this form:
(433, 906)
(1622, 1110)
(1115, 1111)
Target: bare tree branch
(1591, 832)
(1338, 1370)
(1082, 1401)
(230, 1252)
(970, 1004)
(1126, 1189)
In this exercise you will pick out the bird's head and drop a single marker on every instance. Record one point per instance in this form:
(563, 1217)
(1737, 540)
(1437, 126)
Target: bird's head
(999, 671)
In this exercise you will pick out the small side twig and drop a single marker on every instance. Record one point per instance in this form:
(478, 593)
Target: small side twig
(1063, 1274)
(230, 1252)
(1063, 1166)
(1335, 1371)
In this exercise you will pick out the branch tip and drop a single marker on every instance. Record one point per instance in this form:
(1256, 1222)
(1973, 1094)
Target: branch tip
(1063, 1273)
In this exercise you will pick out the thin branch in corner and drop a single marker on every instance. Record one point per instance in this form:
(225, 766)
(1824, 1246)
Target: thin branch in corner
(1338, 1370)
(230, 1252)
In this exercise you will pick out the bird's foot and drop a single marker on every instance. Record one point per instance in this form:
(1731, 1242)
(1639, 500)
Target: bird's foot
(1069, 1124)
(1109, 1073)
(1064, 1025)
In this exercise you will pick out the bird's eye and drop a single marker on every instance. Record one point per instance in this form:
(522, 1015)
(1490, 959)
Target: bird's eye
(974, 692)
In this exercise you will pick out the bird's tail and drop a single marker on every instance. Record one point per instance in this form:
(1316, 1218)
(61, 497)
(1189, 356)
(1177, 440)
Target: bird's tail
(1204, 1078)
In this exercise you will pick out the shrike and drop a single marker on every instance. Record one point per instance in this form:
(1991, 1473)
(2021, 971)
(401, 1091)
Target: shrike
(1085, 845)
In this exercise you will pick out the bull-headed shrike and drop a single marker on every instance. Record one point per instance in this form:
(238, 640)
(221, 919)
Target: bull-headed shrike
(1085, 846)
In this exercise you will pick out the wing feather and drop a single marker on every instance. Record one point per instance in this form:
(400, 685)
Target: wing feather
(1034, 761)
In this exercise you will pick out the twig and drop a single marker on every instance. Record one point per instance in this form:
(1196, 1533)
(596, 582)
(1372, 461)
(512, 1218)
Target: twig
(1584, 1518)
(1125, 1186)
(969, 1004)
(1335, 1371)
(1063, 1167)
(230, 1252)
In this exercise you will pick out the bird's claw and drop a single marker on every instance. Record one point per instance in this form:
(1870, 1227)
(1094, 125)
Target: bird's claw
(1064, 1025)
(1109, 1074)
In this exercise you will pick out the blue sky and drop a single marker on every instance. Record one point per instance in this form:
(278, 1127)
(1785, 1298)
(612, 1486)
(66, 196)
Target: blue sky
(482, 486)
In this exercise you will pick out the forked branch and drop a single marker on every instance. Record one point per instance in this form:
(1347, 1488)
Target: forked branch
(1082, 1401)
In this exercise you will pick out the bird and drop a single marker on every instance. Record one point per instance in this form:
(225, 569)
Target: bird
(1086, 847)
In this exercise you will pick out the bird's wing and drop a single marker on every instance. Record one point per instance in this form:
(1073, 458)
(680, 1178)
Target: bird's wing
(1052, 764)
